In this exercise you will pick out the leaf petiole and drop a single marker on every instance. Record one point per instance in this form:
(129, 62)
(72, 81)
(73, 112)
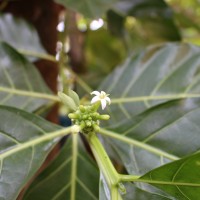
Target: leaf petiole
(105, 165)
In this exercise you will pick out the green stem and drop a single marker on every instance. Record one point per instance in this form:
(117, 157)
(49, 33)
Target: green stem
(132, 178)
(74, 165)
(105, 165)
(128, 178)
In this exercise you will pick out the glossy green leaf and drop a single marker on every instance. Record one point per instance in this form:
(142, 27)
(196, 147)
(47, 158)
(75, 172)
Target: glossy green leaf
(25, 141)
(21, 35)
(160, 135)
(89, 8)
(159, 74)
(179, 178)
(21, 85)
(72, 175)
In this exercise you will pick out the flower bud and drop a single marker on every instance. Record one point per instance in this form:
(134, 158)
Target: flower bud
(82, 108)
(88, 123)
(104, 117)
(96, 127)
(73, 116)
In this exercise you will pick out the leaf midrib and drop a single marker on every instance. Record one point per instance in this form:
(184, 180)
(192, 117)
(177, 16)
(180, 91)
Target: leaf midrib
(29, 93)
(36, 141)
(142, 145)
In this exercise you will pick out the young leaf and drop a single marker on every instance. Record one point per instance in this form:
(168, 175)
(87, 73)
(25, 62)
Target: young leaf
(25, 141)
(67, 101)
(72, 175)
(74, 96)
(20, 35)
(21, 85)
(179, 178)
(159, 74)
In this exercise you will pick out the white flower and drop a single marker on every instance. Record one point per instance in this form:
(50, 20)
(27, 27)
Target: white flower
(102, 97)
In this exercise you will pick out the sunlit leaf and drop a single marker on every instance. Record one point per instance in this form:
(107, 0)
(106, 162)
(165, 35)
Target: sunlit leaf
(25, 141)
(72, 175)
(21, 85)
(21, 35)
(179, 178)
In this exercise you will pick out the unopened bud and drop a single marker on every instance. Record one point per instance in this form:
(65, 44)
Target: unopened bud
(96, 127)
(82, 125)
(88, 123)
(82, 108)
(104, 117)
(73, 116)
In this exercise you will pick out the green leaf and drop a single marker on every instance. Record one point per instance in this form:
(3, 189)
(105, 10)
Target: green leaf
(72, 175)
(74, 96)
(89, 8)
(179, 178)
(21, 85)
(160, 135)
(158, 74)
(21, 35)
(67, 101)
(25, 141)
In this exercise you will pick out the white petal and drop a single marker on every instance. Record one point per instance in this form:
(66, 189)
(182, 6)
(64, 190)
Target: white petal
(95, 99)
(108, 100)
(95, 92)
(103, 103)
(103, 93)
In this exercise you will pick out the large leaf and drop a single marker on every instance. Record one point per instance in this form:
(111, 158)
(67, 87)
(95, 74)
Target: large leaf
(89, 8)
(25, 141)
(72, 175)
(159, 74)
(156, 137)
(160, 135)
(21, 35)
(21, 85)
(179, 178)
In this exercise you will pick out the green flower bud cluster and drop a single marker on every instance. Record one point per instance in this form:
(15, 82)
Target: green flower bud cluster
(87, 118)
